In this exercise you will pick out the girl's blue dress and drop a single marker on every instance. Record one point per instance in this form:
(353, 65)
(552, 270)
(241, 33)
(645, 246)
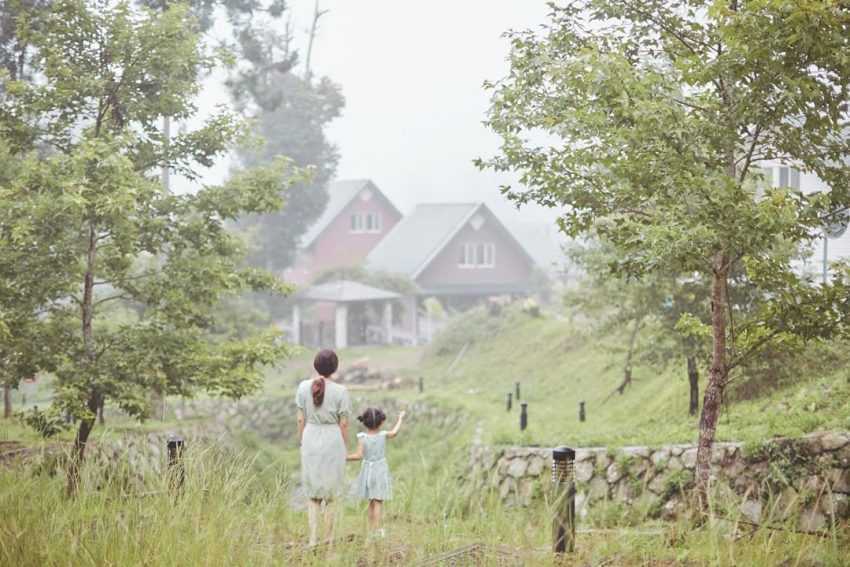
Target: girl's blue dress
(374, 482)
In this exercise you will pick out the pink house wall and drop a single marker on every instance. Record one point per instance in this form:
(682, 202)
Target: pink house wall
(337, 246)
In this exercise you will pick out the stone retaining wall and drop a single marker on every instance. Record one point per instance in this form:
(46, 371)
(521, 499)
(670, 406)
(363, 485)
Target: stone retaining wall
(808, 477)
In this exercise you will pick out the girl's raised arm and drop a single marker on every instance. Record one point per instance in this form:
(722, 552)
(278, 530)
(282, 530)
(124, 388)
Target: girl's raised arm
(358, 454)
(394, 431)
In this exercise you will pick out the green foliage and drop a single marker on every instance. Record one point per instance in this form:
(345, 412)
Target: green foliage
(95, 229)
(656, 116)
(47, 422)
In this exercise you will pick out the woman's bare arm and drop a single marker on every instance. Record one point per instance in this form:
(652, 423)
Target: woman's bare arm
(300, 420)
(343, 427)
(394, 431)
(358, 454)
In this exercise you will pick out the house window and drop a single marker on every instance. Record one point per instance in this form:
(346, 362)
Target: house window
(789, 177)
(477, 255)
(366, 222)
(373, 222)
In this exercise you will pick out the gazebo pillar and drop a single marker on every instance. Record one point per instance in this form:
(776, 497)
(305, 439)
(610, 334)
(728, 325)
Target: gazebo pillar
(413, 308)
(388, 322)
(341, 326)
(296, 324)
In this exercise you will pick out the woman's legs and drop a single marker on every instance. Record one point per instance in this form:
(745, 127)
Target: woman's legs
(330, 519)
(313, 507)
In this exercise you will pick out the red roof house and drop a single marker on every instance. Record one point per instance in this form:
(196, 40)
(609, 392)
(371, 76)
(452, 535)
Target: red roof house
(357, 217)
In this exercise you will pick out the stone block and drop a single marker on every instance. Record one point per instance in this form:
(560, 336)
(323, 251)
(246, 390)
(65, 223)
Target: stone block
(536, 466)
(751, 510)
(525, 491)
(675, 464)
(672, 509)
(689, 458)
(842, 457)
(585, 455)
(624, 492)
(658, 484)
(836, 505)
(636, 452)
(812, 519)
(582, 499)
(788, 503)
(614, 473)
(829, 440)
(517, 468)
(660, 457)
(839, 480)
(506, 488)
(598, 489)
(584, 471)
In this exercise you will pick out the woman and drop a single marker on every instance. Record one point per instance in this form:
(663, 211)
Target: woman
(323, 411)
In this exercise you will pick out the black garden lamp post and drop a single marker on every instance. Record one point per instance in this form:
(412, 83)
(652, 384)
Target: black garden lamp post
(563, 483)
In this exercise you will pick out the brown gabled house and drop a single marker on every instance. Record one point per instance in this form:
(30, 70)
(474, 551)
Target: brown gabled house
(455, 251)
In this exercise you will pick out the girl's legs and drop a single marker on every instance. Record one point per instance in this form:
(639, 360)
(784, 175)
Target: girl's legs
(313, 507)
(379, 506)
(371, 515)
(375, 507)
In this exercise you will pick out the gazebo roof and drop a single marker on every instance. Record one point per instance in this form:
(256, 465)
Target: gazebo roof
(346, 291)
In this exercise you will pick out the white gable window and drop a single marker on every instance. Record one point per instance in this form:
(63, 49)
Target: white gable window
(366, 222)
(373, 222)
(477, 255)
(486, 256)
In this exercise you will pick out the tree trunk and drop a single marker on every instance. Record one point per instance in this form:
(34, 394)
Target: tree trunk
(693, 379)
(627, 368)
(7, 401)
(94, 398)
(716, 379)
(79, 449)
(100, 419)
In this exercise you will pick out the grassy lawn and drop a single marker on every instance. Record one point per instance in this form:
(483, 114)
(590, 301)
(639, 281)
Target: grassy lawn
(236, 508)
(558, 366)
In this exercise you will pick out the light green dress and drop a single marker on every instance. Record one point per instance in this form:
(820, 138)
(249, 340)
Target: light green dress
(323, 450)
(374, 482)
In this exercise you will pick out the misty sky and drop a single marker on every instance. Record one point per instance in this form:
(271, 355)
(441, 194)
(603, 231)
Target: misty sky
(412, 74)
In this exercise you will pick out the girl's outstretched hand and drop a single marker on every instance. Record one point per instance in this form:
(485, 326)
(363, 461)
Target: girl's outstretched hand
(394, 431)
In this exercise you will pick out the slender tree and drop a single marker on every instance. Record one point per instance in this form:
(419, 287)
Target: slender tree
(291, 113)
(91, 201)
(646, 120)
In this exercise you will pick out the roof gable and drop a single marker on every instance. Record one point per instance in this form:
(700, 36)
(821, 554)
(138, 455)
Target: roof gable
(340, 193)
(420, 237)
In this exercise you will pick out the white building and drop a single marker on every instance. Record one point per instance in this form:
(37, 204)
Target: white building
(837, 249)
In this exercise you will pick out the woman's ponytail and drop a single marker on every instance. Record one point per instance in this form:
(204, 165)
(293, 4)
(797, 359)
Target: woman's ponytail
(325, 364)
(318, 391)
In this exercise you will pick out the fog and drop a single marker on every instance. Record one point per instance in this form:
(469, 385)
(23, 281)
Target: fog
(412, 74)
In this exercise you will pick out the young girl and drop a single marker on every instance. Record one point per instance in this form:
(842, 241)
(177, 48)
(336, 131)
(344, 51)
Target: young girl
(374, 483)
